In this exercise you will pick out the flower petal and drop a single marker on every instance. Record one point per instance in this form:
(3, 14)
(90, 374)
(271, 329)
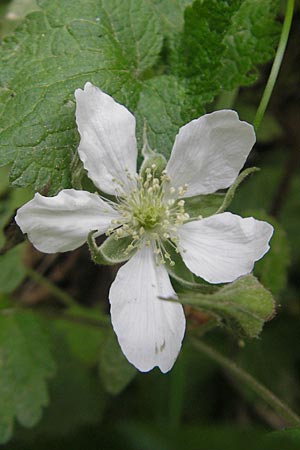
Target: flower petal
(223, 247)
(62, 223)
(149, 330)
(108, 145)
(209, 152)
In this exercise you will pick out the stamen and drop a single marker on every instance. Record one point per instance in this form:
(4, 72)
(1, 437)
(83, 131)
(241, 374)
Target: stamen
(150, 213)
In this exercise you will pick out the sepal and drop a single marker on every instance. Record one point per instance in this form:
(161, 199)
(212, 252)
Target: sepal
(156, 160)
(203, 205)
(231, 191)
(207, 205)
(242, 306)
(151, 157)
(112, 251)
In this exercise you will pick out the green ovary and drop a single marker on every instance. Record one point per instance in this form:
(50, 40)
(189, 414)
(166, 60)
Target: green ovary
(151, 213)
(148, 216)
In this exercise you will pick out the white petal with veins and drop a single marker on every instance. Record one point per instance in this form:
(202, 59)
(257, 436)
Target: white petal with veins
(149, 330)
(209, 152)
(223, 247)
(62, 223)
(108, 145)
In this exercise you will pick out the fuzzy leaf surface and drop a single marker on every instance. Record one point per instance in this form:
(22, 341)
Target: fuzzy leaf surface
(223, 42)
(55, 51)
(12, 271)
(118, 46)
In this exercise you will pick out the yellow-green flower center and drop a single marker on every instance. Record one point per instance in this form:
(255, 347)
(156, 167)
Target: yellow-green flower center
(151, 213)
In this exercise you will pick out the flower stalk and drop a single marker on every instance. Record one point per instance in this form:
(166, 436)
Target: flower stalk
(276, 65)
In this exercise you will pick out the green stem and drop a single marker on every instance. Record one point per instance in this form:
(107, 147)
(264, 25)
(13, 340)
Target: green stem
(274, 402)
(276, 64)
(58, 293)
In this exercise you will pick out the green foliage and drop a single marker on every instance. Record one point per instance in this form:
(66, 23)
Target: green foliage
(278, 440)
(108, 43)
(77, 397)
(148, 437)
(10, 199)
(12, 271)
(117, 46)
(257, 195)
(161, 104)
(170, 14)
(82, 334)
(223, 42)
(115, 371)
(14, 12)
(242, 306)
(26, 363)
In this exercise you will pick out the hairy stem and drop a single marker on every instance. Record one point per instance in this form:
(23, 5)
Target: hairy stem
(271, 399)
(276, 64)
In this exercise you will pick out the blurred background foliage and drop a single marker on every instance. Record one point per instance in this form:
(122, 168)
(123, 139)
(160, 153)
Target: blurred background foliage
(95, 399)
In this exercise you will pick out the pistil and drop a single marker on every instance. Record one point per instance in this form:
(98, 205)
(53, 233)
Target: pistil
(151, 214)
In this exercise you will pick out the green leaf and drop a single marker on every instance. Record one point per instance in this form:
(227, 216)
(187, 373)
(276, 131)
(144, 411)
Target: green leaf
(26, 363)
(243, 306)
(15, 11)
(84, 338)
(77, 397)
(284, 439)
(115, 370)
(55, 51)
(223, 42)
(10, 200)
(170, 14)
(118, 46)
(12, 271)
(161, 103)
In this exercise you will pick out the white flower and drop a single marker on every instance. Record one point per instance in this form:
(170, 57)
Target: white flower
(207, 155)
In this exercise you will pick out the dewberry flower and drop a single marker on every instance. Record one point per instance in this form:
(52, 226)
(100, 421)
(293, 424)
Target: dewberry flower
(148, 216)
